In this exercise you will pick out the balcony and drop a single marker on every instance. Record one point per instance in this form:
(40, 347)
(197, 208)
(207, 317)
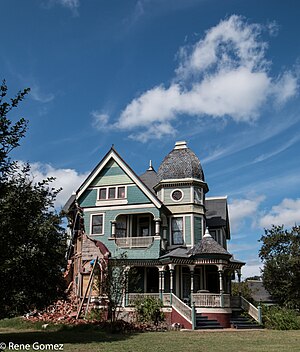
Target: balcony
(135, 242)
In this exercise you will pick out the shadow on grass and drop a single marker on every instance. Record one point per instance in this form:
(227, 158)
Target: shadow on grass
(65, 335)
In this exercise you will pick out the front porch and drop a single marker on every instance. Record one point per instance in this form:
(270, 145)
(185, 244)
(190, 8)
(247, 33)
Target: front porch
(187, 290)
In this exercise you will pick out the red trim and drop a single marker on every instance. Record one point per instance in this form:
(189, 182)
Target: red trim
(178, 318)
(222, 318)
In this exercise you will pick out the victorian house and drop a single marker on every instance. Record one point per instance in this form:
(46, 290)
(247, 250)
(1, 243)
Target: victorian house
(165, 229)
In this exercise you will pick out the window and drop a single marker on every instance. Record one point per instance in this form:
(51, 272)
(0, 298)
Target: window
(177, 231)
(121, 192)
(177, 195)
(198, 195)
(102, 193)
(97, 224)
(112, 193)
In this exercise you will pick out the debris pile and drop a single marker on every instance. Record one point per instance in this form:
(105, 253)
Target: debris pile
(61, 312)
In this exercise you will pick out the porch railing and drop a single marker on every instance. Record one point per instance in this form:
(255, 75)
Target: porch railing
(182, 308)
(254, 312)
(134, 242)
(132, 297)
(211, 300)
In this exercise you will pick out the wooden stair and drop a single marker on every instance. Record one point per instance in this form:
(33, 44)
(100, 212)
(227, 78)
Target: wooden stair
(203, 323)
(240, 320)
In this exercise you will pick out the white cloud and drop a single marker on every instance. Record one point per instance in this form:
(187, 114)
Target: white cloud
(286, 213)
(224, 74)
(38, 95)
(100, 120)
(72, 5)
(251, 270)
(277, 151)
(67, 179)
(242, 209)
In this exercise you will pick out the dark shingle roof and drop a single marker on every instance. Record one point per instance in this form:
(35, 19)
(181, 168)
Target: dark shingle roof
(208, 246)
(217, 214)
(180, 163)
(150, 178)
(258, 291)
(69, 202)
(179, 252)
(216, 211)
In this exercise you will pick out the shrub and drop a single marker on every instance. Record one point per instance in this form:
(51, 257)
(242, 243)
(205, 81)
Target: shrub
(148, 310)
(96, 314)
(278, 318)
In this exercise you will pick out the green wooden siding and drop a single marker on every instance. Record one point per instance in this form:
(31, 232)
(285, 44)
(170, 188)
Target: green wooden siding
(88, 198)
(152, 252)
(136, 196)
(197, 229)
(187, 230)
(185, 199)
(112, 174)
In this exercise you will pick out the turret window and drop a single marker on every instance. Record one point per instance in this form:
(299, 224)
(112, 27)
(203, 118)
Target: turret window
(177, 195)
(177, 231)
(198, 196)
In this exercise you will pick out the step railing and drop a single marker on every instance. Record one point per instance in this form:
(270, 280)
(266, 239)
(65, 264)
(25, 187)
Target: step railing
(249, 308)
(182, 308)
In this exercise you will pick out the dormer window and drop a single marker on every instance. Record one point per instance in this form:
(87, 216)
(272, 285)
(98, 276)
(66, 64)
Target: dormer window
(112, 193)
(106, 193)
(102, 193)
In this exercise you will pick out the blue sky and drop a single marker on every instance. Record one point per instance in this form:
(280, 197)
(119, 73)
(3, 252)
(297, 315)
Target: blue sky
(141, 74)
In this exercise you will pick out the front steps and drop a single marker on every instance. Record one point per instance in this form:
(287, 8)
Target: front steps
(203, 323)
(240, 321)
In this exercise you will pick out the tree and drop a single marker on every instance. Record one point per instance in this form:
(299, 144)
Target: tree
(111, 283)
(10, 134)
(280, 253)
(32, 242)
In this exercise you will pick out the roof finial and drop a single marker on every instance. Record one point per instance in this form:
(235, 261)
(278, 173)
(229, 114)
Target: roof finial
(180, 145)
(207, 234)
(150, 166)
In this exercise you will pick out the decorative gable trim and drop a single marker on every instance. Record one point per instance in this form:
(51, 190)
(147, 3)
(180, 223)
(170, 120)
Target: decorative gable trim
(112, 154)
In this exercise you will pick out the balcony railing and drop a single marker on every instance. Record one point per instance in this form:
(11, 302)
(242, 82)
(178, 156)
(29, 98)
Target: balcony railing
(134, 242)
(211, 300)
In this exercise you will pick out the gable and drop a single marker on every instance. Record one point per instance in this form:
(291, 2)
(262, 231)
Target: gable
(111, 174)
(113, 171)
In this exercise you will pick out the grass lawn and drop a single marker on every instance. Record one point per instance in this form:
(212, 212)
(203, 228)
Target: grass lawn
(89, 338)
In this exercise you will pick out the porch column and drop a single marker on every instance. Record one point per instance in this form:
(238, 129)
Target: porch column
(171, 281)
(126, 296)
(161, 281)
(239, 281)
(221, 287)
(157, 226)
(113, 228)
(192, 268)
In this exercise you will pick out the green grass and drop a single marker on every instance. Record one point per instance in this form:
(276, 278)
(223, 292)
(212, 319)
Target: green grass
(91, 339)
